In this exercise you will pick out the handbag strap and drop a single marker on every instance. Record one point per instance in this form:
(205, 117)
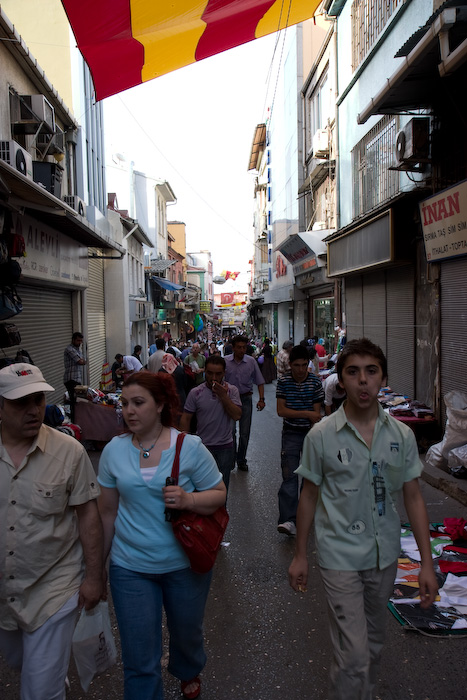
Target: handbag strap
(176, 464)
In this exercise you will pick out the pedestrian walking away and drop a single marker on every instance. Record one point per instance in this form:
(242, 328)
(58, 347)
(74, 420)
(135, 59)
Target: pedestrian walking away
(355, 464)
(149, 569)
(155, 360)
(74, 360)
(299, 396)
(51, 549)
(217, 406)
(243, 371)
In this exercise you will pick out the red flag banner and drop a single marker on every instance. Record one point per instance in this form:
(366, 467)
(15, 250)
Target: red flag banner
(127, 42)
(227, 298)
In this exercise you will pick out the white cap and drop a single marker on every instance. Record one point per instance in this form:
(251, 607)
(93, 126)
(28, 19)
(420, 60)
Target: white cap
(21, 379)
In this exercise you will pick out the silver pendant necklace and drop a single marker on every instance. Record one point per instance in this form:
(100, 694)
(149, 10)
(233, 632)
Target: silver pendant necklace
(145, 453)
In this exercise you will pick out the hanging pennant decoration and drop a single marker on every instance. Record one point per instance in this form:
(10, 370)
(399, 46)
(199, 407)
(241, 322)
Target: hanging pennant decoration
(127, 42)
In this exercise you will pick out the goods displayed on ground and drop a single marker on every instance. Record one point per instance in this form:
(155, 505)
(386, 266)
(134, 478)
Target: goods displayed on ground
(448, 615)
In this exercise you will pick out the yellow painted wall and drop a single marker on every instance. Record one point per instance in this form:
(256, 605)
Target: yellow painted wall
(45, 29)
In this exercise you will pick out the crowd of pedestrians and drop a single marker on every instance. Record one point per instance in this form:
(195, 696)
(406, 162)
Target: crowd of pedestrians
(343, 461)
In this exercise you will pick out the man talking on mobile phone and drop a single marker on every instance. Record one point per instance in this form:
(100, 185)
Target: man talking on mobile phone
(217, 406)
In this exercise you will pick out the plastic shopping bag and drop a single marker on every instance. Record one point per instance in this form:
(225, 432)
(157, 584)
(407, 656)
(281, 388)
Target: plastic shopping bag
(93, 644)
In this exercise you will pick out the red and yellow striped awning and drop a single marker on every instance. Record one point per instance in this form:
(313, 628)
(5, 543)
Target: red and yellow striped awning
(127, 42)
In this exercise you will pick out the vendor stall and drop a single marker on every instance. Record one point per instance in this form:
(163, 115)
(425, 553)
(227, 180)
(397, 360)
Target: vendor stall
(97, 421)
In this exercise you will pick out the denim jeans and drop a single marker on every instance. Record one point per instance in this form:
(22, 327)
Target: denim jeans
(138, 600)
(244, 427)
(225, 460)
(292, 443)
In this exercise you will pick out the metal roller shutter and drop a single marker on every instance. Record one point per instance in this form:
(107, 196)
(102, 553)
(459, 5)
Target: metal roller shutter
(400, 304)
(374, 308)
(45, 325)
(354, 307)
(96, 345)
(380, 305)
(453, 327)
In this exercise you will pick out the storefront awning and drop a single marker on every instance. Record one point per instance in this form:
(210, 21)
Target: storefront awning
(304, 245)
(18, 191)
(167, 284)
(159, 266)
(428, 57)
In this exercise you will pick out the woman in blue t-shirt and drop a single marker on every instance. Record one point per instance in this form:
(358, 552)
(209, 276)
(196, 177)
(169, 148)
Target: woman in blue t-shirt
(148, 567)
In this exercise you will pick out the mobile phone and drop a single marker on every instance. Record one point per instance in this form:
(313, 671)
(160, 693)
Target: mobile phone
(170, 513)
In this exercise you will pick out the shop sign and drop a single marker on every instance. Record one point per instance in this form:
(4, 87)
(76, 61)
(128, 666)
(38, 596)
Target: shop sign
(51, 256)
(444, 223)
(161, 315)
(204, 307)
(308, 264)
(305, 280)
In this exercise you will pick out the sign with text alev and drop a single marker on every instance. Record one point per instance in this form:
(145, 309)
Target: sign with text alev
(444, 223)
(50, 255)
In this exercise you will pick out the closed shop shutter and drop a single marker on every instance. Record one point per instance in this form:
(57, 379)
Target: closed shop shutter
(96, 345)
(354, 307)
(400, 305)
(45, 325)
(380, 306)
(374, 308)
(453, 327)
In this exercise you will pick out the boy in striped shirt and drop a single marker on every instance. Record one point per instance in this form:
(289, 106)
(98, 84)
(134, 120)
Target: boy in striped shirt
(299, 396)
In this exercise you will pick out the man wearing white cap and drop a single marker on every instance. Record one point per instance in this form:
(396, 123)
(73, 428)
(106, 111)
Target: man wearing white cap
(50, 536)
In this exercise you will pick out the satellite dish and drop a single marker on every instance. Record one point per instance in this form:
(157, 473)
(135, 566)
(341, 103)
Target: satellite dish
(218, 280)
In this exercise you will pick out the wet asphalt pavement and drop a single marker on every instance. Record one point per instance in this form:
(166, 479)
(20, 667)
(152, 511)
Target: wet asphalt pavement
(263, 640)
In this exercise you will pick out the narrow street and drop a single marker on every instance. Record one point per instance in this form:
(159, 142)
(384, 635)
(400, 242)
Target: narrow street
(264, 641)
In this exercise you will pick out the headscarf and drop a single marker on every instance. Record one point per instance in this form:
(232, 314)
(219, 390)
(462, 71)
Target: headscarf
(169, 363)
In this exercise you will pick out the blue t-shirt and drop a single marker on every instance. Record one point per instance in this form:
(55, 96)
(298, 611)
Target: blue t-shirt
(143, 540)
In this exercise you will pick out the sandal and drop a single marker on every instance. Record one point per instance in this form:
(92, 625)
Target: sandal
(192, 694)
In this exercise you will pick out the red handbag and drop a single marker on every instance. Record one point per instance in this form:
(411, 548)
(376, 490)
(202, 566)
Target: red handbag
(199, 535)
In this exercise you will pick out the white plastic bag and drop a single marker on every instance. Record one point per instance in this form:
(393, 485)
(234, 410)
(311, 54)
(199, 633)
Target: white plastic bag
(93, 644)
(455, 432)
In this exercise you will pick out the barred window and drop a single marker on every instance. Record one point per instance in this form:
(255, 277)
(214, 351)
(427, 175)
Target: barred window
(369, 17)
(373, 182)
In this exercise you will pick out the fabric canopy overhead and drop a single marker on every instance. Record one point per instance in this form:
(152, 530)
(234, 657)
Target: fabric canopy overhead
(167, 284)
(127, 42)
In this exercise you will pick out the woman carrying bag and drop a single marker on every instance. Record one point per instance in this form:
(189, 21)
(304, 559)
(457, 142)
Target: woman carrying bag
(148, 567)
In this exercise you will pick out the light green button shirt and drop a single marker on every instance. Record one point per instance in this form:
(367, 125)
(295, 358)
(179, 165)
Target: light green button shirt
(357, 526)
(41, 558)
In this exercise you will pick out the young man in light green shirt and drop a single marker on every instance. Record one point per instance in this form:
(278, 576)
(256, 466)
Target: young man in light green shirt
(355, 464)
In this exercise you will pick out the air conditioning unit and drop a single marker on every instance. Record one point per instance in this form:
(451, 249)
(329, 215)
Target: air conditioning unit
(413, 142)
(75, 203)
(17, 157)
(37, 108)
(53, 144)
(321, 144)
(49, 176)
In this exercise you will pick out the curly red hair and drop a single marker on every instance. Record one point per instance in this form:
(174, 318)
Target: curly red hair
(161, 386)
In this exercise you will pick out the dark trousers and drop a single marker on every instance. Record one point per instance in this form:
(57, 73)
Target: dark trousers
(244, 427)
(70, 387)
(292, 444)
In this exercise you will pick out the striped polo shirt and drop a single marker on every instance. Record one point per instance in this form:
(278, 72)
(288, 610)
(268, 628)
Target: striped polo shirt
(299, 396)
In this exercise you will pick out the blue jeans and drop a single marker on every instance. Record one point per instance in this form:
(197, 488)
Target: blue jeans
(138, 599)
(244, 427)
(292, 443)
(225, 460)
